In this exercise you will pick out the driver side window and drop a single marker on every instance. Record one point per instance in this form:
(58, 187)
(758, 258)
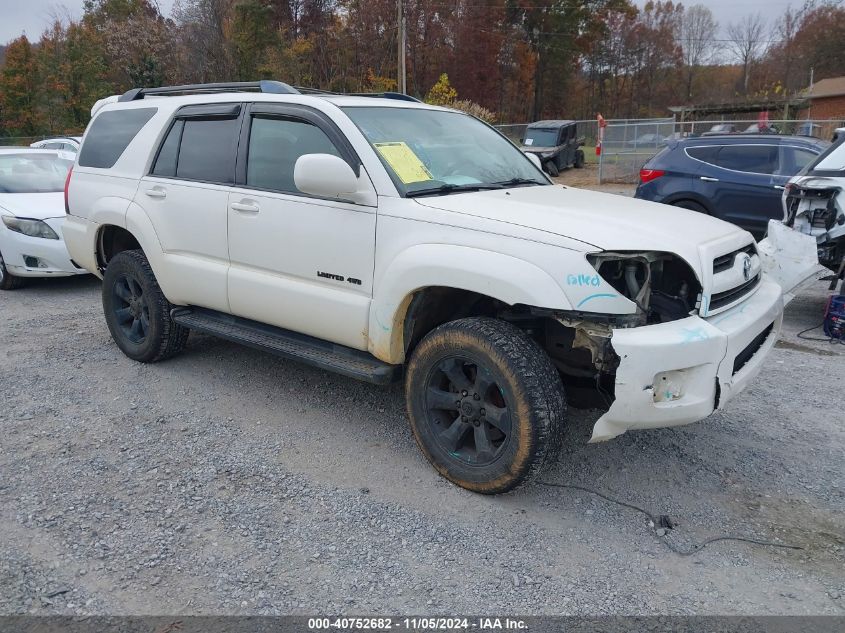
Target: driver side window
(275, 144)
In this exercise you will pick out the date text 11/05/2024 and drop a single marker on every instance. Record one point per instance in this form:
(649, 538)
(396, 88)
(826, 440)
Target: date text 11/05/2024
(416, 624)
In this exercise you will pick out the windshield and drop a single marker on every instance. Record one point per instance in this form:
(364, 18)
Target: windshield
(541, 137)
(33, 173)
(434, 150)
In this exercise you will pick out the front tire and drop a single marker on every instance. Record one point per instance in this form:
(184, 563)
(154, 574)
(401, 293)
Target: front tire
(486, 404)
(9, 281)
(552, 169)
(137, 312)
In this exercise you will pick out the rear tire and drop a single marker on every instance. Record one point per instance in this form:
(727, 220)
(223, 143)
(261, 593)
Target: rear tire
(691, 205)
(579, 159)
(9, 281)
(137, 313)
(552, 169)
(486, 404)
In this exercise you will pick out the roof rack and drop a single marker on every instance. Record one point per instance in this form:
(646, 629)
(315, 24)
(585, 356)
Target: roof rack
(384, 95)
(265, 85)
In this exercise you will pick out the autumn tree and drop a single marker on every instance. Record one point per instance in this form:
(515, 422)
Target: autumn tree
(559, 33)
(202, 47)
(19, 89)
(252, 34)
(136, 41)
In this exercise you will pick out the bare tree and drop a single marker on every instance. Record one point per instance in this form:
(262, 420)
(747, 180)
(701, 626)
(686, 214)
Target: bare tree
(697, 34)
(202, 26)
(745, 41)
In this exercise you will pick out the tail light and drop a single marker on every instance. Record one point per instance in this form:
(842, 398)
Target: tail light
(647, 175)
(67, 184)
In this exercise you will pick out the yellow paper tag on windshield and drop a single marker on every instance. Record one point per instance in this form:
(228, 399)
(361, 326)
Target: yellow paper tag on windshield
(404, 162)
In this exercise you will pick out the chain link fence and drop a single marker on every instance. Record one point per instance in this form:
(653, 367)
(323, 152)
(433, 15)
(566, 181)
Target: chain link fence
(629, 143)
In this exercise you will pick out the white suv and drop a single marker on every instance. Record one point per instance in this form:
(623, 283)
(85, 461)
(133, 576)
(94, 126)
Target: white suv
(814, 204)
(384, 238)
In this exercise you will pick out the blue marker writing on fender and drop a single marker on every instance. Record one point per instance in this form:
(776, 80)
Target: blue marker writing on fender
(583, 280)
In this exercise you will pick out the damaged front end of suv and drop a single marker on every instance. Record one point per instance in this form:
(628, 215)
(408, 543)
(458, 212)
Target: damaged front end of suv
(688, 345)
(814, 204)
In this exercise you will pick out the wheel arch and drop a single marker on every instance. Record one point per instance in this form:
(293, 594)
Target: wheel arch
(690, 196)
(137, 234)
(422, 286)
(111, 240)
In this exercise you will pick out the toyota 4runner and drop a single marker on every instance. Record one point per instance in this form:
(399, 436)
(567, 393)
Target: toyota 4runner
(814, 204)
(386, 239)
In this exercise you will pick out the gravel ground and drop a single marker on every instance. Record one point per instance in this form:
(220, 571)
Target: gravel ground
(228, 481)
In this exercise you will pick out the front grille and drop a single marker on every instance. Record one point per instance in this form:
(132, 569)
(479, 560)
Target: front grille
(721, 299)
(746, 355)
(726, 262)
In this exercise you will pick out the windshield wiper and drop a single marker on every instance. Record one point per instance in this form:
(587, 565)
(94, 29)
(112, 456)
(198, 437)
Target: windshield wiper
(519, 182)
(442, 190)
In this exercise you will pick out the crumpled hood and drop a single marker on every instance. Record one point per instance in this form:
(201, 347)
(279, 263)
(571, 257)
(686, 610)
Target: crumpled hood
(608, 222)
(38, 206)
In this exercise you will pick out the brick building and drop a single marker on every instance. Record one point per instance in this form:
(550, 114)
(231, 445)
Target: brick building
(826, 100)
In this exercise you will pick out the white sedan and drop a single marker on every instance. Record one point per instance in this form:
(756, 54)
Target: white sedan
(65, 143)
(32, 214)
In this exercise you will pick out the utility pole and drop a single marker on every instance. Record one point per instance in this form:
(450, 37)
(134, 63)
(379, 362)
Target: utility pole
(810, 94)
(400, 56)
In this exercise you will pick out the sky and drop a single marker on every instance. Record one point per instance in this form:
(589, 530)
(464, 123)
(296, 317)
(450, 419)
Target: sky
(33, 16)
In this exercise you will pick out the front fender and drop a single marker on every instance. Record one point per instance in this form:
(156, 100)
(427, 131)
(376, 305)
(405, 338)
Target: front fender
(508, 279)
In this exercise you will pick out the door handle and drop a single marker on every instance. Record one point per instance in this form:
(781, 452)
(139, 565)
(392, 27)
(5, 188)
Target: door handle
(779, 187)
(156, 192)
(245, 207)
(708, 179)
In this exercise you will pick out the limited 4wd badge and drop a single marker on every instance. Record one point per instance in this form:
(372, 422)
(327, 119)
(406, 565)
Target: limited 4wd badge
(351, 280)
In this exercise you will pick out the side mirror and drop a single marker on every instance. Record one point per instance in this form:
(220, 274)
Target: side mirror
(534, 159)
(324, 176)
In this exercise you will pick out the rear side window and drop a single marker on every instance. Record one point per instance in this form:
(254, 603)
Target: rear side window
(757, 159)
(706, 154)
(165, 164)
(110, 135)
(208, 150)
(199, 149)
(274, 147)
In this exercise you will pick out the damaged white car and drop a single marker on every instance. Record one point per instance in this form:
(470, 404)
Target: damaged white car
(814, 204)
(386, 239)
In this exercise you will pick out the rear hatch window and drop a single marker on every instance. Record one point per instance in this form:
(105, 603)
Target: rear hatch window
(110, 135)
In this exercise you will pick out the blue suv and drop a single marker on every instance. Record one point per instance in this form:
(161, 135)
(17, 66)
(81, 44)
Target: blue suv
(737, 178)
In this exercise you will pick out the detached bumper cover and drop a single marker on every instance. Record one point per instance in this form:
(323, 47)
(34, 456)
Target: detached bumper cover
(677, 373)
(788, 256)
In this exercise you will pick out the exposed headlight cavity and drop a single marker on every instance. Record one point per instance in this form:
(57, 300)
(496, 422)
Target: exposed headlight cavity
(31, 228)
(662, 285)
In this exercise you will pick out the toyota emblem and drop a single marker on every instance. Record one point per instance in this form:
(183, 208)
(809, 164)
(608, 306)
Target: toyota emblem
(746, 268)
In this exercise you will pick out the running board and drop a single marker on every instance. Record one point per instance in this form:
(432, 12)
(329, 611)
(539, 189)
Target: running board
(292, 345)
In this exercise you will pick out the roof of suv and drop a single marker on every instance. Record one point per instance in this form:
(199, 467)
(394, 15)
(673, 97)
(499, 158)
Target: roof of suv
(174, 102)
(550, 123)
(748, 139)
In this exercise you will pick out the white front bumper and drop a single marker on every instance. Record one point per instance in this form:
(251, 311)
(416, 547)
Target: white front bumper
(677, 373)
(52, 254)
